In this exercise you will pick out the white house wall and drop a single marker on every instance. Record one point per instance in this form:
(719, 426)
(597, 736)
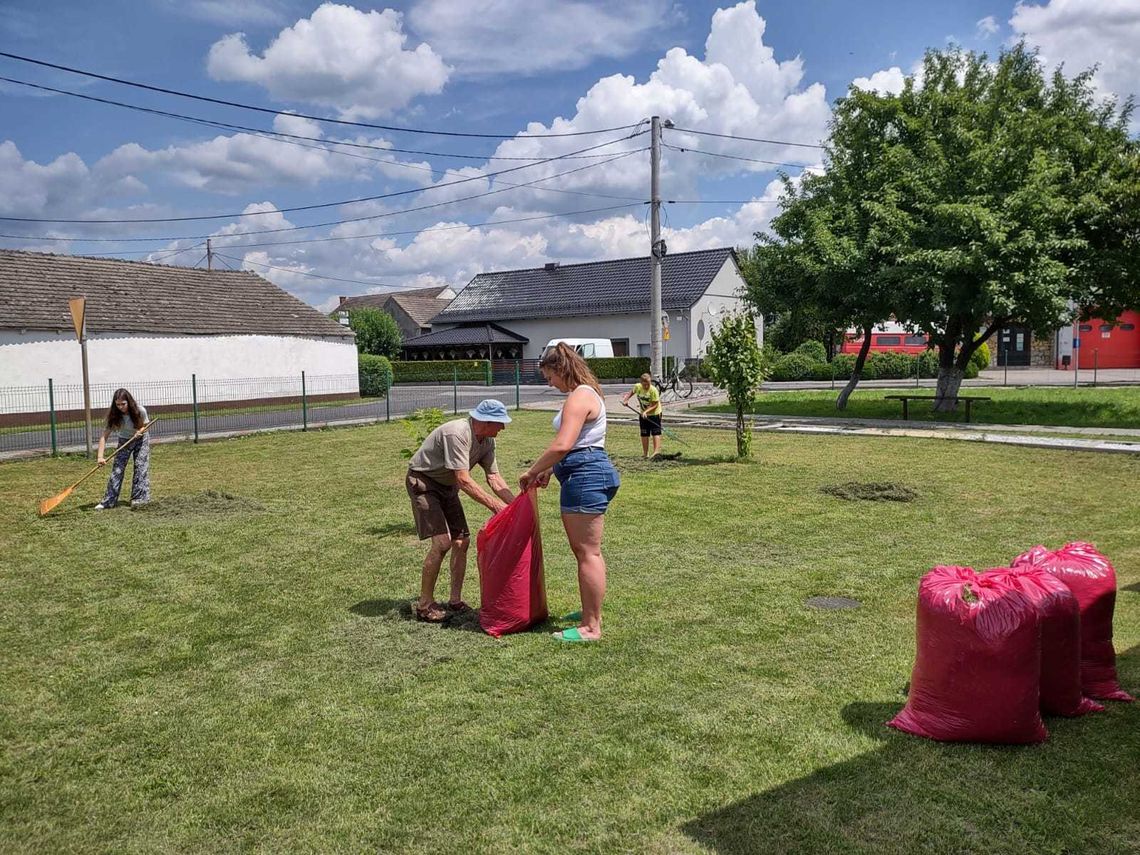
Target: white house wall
(233, 367)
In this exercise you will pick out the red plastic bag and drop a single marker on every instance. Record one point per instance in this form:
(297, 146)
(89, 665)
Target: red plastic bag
(977, 672)
(1060, 617)
(1092, 579)
(509, 550)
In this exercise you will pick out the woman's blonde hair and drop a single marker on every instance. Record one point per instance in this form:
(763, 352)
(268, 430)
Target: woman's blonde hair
(564, 361)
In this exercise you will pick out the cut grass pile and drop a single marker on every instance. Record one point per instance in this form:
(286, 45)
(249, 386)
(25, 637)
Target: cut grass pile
(1102, 407)
(250, 677)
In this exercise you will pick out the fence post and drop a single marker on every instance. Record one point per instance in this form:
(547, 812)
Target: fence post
(455, 388)
(194, 392)
(1096, 352)
(388, 399)
(917, 370)
(490, 375)
(304, 405)
(51, 416)
(518, 406)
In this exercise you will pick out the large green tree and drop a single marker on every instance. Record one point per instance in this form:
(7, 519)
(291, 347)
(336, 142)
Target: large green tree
(983, 194)
(377, 332)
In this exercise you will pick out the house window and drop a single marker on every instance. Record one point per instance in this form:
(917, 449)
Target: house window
(916, 341)
(1128, 327)
(1085, 327)
(888, 340)
(1106, 328)
(621, 346)
(642, 349)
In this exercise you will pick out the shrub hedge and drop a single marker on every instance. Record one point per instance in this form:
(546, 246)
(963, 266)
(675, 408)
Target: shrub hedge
(442, 370)
(619, 367)
(375, 375)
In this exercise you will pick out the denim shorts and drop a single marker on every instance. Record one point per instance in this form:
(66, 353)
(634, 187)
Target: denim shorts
(589, 481)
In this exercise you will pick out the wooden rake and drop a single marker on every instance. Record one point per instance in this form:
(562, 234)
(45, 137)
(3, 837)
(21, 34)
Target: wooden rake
(48, 505)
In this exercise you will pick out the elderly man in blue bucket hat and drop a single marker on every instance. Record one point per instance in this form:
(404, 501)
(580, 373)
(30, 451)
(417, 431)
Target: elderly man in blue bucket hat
(437, 473)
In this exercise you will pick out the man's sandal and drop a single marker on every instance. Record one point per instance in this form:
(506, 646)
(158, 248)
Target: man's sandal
(571, 634)
(431, 613)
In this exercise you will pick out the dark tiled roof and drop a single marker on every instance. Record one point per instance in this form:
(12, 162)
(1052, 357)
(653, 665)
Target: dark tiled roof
(456, 336)
(596, 288)
(133, 296)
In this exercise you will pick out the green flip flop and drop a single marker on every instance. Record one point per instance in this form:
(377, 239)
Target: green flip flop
(571, 634)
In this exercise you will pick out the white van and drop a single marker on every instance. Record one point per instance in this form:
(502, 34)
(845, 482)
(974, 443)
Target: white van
(588, 348)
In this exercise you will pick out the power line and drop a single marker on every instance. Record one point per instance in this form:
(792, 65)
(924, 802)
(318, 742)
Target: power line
(302, 273)
(331, 238)
(737, 157)
(255, 108)
(320, 205)
(733, 137)
(229, 126)
(417, 209)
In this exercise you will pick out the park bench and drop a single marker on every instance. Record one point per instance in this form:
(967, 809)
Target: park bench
(969, 399)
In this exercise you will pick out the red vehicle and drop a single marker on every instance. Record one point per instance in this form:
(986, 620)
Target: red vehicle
(890, 337)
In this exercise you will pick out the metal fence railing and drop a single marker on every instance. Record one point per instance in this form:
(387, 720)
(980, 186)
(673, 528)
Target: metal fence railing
(51, 418)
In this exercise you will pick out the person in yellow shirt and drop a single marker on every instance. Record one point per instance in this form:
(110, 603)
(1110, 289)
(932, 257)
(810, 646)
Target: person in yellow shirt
(649, 399)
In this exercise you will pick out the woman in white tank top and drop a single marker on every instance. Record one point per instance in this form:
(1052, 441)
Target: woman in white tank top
(577, 458)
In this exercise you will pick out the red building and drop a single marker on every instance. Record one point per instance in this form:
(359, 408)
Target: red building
(1104, 345)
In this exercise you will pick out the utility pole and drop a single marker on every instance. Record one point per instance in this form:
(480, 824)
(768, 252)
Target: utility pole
(656, 247)
(209, 255)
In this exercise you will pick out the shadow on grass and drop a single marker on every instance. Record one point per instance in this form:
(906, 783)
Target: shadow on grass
(1135, 586)
(391, 529)
(1075, 793)
(402, 610)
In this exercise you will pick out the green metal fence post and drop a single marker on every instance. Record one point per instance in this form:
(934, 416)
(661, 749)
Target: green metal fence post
(51, 416)
(304, 405)
(194, 392)
(518, 406)
(455, 388)
(388, 400)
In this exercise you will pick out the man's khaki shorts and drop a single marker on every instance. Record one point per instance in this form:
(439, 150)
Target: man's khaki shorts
(435, 507)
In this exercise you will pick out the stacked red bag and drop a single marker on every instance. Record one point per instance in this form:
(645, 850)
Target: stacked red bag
(1092, 579)
(1060, 617)
(509, 550)
(977, 673)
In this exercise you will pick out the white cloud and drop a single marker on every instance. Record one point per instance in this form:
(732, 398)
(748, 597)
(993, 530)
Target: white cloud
(886, 82)
(986, 27)
(1084, 33)
(339, 57)
(498, 37)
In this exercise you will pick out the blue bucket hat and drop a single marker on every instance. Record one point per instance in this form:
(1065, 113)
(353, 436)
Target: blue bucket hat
(491, 410)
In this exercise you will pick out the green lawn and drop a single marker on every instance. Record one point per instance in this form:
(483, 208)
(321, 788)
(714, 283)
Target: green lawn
(236, 670)
(1110, 407)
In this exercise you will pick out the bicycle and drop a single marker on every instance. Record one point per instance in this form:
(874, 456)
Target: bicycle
(677, 381)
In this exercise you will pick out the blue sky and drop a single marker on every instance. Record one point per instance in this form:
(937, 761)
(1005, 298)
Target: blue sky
(761, 69)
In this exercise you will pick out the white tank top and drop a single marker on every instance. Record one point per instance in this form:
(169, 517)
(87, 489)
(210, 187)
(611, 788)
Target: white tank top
(593, 433)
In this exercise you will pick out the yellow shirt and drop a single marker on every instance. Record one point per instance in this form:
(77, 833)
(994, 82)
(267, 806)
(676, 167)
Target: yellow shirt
(650, 399)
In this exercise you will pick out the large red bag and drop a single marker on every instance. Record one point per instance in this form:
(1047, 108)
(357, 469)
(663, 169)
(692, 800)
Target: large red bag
(977, 672)
(1092, 579)
(509, 551)
(1060, 617)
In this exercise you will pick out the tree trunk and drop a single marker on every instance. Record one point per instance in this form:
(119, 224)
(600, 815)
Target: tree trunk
(856, 371)
(946, 392)
(741, 448)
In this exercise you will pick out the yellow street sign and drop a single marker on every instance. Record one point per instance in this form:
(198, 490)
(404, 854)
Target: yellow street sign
(665, 334)
(78, 314)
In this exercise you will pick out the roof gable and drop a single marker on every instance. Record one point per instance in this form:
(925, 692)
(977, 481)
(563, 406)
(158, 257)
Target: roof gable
(135, 296)
(595, 288)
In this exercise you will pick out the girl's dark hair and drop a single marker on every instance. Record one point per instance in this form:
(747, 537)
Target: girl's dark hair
(564, 361)
(115, 417)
